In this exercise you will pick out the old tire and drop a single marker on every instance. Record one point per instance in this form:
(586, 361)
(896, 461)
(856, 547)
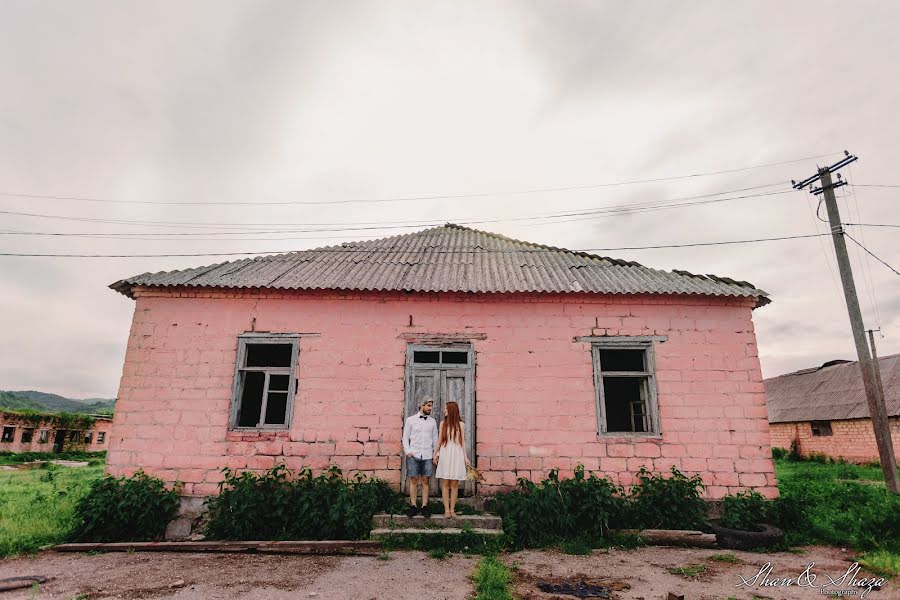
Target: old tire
(735, 539)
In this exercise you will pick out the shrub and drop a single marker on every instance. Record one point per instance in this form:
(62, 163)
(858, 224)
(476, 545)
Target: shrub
(658, 502)
(541, 514)
(274, 506)
(744, 510)
(125, 509)
(779, 453)
(794, 454)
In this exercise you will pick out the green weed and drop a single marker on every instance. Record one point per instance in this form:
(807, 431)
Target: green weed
(492, 579)
(688, 571)
(726, 558)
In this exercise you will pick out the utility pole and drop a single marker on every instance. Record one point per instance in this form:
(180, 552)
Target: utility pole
(877, 410)
(875, 365)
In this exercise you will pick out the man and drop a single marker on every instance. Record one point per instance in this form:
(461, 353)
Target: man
(420, 435)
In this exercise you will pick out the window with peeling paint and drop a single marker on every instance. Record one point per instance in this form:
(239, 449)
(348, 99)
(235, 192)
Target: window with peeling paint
(43, 436)
(625, 388)
(265, 382)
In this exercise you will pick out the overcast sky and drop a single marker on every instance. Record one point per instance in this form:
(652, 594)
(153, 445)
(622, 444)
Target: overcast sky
(227, 101)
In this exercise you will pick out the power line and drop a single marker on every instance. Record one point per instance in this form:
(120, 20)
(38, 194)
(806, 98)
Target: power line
(876, 185)
(864, 259)
(872, 254)
(419, 198)
(420, 251)
(360, 226)
(873, 224)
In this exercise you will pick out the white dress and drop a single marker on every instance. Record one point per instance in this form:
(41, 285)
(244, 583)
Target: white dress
(452, 460)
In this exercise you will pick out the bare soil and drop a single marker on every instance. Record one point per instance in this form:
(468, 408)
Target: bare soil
(644, 574)
(632, 574)
(404, 576)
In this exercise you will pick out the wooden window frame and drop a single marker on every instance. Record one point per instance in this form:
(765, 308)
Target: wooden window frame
(30, 432)
(101, 437)
(645, 344)
(43, 436)
(291, 371)
(818, 425)
(12, 435)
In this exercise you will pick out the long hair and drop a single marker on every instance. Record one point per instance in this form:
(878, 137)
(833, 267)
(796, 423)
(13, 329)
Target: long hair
(450, 428)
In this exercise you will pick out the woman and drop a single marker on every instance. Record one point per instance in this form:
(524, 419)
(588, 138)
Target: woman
(450, 456)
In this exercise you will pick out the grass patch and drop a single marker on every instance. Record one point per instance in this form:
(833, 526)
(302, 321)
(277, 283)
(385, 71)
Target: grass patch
(689, 571)
(725, 558)
(882, 562)
(15, 458)
(439, 553)
(37, 505)
(576, 547)
(492, 579)
(818, 504)
(463, 543)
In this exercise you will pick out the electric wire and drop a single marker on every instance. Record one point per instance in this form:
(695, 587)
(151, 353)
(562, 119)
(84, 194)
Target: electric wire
(418, 198)
(421, 251)
(583, 214)
(872, 254)
(864, 261)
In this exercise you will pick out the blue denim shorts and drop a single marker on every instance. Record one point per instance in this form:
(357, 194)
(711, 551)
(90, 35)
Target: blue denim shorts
(419, 467)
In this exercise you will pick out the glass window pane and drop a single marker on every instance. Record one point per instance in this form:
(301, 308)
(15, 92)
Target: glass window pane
(621, 360)
(451, 357)
(269, 355)
(278, 383)
(426, 356)
(624, 400)
(251, 398)
(276, 408)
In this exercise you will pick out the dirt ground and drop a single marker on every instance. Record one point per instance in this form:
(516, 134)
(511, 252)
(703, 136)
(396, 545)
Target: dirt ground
(644, 573)
(636, 574)
(182, 576)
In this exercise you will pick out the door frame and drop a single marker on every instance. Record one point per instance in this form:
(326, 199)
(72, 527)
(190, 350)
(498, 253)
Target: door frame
(468, 488)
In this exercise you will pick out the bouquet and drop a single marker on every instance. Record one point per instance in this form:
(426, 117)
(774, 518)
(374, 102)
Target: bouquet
(474, 474)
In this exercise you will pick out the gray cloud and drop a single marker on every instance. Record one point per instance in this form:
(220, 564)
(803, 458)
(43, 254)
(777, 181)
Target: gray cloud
(319, 101)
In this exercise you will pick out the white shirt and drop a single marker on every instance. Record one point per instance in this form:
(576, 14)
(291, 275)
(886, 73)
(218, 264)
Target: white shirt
(420, 435)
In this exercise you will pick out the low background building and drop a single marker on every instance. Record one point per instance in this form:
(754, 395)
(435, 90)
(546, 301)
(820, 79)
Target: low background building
(824, 410)
(35, 432)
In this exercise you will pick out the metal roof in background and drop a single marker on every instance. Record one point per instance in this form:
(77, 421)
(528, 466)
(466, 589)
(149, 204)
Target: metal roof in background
(830, 393)
(450, 258)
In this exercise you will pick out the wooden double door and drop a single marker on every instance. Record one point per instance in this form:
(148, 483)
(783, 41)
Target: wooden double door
(445, 374)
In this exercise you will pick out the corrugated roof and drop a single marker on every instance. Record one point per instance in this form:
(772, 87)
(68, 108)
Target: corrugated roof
(450, 258)
(830, 393)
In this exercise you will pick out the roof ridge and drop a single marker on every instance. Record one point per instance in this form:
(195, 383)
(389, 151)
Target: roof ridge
(505, 238)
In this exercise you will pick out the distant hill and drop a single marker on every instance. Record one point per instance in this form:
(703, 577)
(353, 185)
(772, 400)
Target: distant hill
(54, 403)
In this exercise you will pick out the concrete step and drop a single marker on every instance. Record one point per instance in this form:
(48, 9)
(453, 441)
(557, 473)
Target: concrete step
(385, 531)
(385, 521)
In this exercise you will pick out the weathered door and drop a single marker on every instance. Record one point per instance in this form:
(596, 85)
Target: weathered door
(445, 374)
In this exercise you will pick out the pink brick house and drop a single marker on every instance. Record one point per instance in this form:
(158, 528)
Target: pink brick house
(556, 358)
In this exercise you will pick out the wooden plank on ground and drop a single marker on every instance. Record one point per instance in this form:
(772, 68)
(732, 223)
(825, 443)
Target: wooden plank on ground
(674, 537)
(278, 547)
